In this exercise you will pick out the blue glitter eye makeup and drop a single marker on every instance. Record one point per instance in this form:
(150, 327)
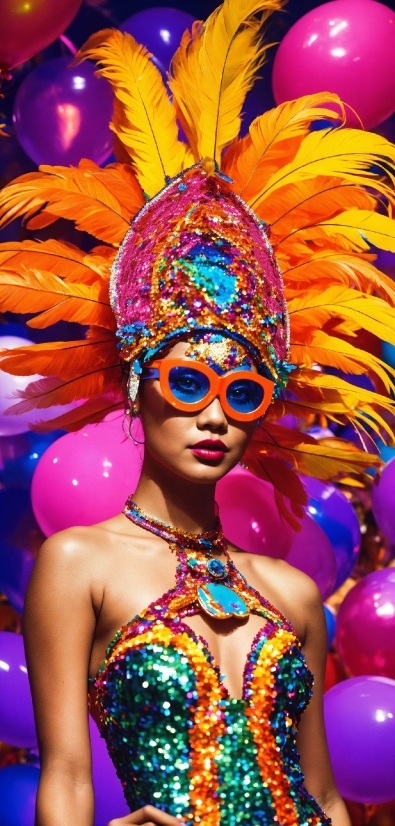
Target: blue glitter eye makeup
(244, 395)
(188, 384)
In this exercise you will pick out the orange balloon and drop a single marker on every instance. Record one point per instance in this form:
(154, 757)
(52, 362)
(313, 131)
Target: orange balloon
(27, 26)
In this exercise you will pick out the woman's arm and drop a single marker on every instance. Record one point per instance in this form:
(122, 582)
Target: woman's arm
(312, 745)
(59, 623)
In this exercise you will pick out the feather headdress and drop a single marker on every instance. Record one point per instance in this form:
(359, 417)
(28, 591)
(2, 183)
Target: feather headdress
(324, 196)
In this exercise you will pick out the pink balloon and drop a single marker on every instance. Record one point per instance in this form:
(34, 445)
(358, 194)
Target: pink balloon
(346, 47)
(365, 633)
(61, 114)
(13, 424)
(383, 501)
(312, 553)
(109, 800)
(250, 516)
(85, 477)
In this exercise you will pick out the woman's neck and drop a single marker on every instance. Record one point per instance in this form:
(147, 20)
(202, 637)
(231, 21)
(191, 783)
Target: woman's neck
(178, 502)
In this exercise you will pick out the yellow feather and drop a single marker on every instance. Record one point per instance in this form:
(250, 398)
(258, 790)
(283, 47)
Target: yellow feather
(329, 267)
(213, 70)
(348, 154)
(99, 201)
(144, 117)
(355, 230)
(273, 140)
(317, 347)
(317, 307)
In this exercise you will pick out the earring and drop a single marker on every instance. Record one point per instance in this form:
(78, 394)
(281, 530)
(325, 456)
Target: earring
(131, 415)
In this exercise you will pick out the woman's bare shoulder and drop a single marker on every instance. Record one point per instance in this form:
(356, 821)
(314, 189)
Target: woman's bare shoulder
(291, 591)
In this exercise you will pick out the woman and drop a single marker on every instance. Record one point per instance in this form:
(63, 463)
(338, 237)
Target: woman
(205, 697)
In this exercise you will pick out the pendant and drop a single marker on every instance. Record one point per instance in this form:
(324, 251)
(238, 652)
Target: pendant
(220, 601)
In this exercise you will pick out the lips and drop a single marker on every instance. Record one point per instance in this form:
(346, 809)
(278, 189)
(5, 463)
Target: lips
(209, 449)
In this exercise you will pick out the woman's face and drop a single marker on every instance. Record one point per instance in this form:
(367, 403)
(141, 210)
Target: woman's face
(171, 436)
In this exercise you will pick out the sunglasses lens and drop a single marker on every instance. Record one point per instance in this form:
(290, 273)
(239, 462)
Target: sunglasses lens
(188, 385)
(244, 395)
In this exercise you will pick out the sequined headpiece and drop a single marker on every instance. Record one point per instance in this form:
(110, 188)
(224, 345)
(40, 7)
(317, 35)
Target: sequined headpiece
(197, 259)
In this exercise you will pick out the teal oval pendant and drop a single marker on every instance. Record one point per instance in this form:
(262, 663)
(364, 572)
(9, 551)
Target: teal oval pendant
(221, 602)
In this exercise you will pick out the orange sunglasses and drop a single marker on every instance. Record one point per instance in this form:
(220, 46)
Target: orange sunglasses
(190, 386)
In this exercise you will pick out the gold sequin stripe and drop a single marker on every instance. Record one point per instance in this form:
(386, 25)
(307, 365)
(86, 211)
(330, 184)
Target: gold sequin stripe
(258, 717)
(208, 723)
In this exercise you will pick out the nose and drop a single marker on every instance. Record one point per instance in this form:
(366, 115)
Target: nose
(213, 417)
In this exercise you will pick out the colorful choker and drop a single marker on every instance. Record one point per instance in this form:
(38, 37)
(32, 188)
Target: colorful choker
(216, 584)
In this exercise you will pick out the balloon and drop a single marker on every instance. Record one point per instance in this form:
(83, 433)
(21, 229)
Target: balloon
(20, 540)
(365, 635)
(159, 29)
(61, 114)
(13, 424)
(388, 353)
(17, 470)
(249, 514)
(383, 501)
(18, 791)
(341, 47)
(330, 619)
(85, 477)
(336, 516)
(360, 727)
(10, 425)
(16, 709)
(27, 28)
(312, 553)
(109, 800)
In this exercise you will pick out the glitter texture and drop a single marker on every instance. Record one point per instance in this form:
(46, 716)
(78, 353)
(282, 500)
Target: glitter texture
(177, 738)
(197, 259)
(219, 352)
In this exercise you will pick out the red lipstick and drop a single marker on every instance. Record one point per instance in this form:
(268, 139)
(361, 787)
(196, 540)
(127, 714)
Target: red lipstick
(210, 449)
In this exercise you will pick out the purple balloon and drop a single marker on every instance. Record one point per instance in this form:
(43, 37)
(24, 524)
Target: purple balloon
(16, 708)
(311, 552)
(159, 29)
(336, 516)
(360, 727)
(365, 635)
(62, 114)
(20, 540)
(383, 501)
(18, 792)
(109, 800)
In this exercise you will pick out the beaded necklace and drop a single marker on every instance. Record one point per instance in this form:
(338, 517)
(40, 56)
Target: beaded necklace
(215, 584)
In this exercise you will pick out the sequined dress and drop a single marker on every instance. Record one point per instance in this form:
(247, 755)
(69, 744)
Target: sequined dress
(180, 742)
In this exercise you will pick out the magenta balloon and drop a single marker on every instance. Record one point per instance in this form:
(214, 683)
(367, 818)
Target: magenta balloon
(16, 709)
(312, 553)
(109, 799)
(249, 515)
(26, 28)
(360, 727)
(344, 46)
(62, 114)
(85, 477)
(383, 501)
(159, 29)
(365, 635)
